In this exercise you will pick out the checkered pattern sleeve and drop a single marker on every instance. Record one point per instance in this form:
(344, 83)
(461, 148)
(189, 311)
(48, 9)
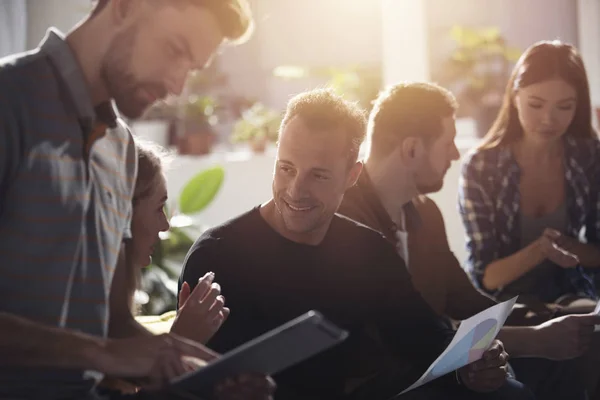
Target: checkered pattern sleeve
(477, 212)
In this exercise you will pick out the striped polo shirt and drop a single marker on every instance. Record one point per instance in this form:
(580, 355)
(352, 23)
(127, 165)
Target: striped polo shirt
(67, 172)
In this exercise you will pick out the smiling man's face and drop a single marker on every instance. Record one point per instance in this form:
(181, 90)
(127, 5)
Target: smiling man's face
(312, 173)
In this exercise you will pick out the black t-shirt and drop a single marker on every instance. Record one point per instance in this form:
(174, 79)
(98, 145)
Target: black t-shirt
(354, 277)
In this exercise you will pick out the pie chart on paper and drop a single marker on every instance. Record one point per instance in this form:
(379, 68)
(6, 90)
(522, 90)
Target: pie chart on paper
(483, 336)
(470, 348)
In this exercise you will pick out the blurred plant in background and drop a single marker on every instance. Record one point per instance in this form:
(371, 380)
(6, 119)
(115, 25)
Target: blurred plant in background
(258, 126)
(158, 289)
(477, 71)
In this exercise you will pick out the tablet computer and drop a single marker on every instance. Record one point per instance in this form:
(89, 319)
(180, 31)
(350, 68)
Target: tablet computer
(267, 354)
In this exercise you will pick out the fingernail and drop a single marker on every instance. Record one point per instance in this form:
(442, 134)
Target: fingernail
(216, 286)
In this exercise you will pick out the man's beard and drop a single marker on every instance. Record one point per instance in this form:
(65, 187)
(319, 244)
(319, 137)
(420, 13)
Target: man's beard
(120, 84)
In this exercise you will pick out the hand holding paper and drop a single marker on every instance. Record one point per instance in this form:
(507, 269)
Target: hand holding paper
(472, 339)
(489, 373)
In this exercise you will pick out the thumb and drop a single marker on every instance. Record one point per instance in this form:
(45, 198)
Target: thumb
(552, 233)
(184, 294)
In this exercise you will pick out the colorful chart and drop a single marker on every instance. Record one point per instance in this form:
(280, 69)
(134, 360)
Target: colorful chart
(470, 348)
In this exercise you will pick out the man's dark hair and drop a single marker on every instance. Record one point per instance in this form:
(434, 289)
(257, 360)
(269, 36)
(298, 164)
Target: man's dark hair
(322, 109)
(408, 109)
(234, 16)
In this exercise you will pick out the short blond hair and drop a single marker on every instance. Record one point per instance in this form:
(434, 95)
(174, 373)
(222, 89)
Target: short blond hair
(234, 16)
(323, 109)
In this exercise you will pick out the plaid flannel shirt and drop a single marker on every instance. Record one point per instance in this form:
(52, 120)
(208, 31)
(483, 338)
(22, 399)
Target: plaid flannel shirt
(489, 202)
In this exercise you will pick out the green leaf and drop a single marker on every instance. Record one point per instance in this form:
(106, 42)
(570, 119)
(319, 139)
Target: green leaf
(201, 190)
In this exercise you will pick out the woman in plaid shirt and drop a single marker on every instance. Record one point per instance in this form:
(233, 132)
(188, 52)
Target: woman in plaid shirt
(528, 195)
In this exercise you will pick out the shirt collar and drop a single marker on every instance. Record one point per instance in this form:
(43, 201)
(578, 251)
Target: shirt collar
(67, 66)
(411, 215)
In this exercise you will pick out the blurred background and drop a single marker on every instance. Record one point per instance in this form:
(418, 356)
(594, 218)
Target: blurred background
(222, 129)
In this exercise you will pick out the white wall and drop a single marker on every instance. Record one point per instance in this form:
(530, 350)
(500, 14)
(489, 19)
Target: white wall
(61, 14)
(589, 32)
(313, 33)
(13, 27)
(404, 36)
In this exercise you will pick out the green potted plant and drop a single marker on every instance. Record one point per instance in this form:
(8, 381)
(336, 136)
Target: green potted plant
(198, 119)
(477, 71)
(158, 292)
(190, 118)
(258, 126)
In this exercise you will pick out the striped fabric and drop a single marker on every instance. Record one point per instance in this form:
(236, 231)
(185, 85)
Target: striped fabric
(67, 172)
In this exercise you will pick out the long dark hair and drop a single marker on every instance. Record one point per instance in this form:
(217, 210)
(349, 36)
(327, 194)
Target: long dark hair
(543, 61)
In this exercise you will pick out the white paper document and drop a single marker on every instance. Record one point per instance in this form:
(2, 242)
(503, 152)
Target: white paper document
(474, 336)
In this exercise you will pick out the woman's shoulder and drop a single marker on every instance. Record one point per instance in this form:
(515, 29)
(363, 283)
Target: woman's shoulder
(586, 151)
(483, 160)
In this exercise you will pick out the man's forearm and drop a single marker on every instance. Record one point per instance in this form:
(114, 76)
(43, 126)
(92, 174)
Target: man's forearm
(519, 341)
(126, 326)
(27, 343)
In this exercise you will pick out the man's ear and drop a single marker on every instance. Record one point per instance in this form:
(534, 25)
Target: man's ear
(354, 174)
(409, 149)
(121, 10)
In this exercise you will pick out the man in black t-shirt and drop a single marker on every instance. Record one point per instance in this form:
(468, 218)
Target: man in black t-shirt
(293, 254)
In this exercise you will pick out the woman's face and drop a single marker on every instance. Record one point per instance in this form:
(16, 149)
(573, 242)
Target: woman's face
(546, 109)
(148, 220)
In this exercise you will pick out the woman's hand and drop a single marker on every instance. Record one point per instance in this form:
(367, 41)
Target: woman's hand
(202, 311)
(552, 249)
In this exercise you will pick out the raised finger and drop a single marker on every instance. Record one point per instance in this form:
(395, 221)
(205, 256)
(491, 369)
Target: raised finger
(184, 294)
(202, 288)
(216, 308)
(206, 303)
